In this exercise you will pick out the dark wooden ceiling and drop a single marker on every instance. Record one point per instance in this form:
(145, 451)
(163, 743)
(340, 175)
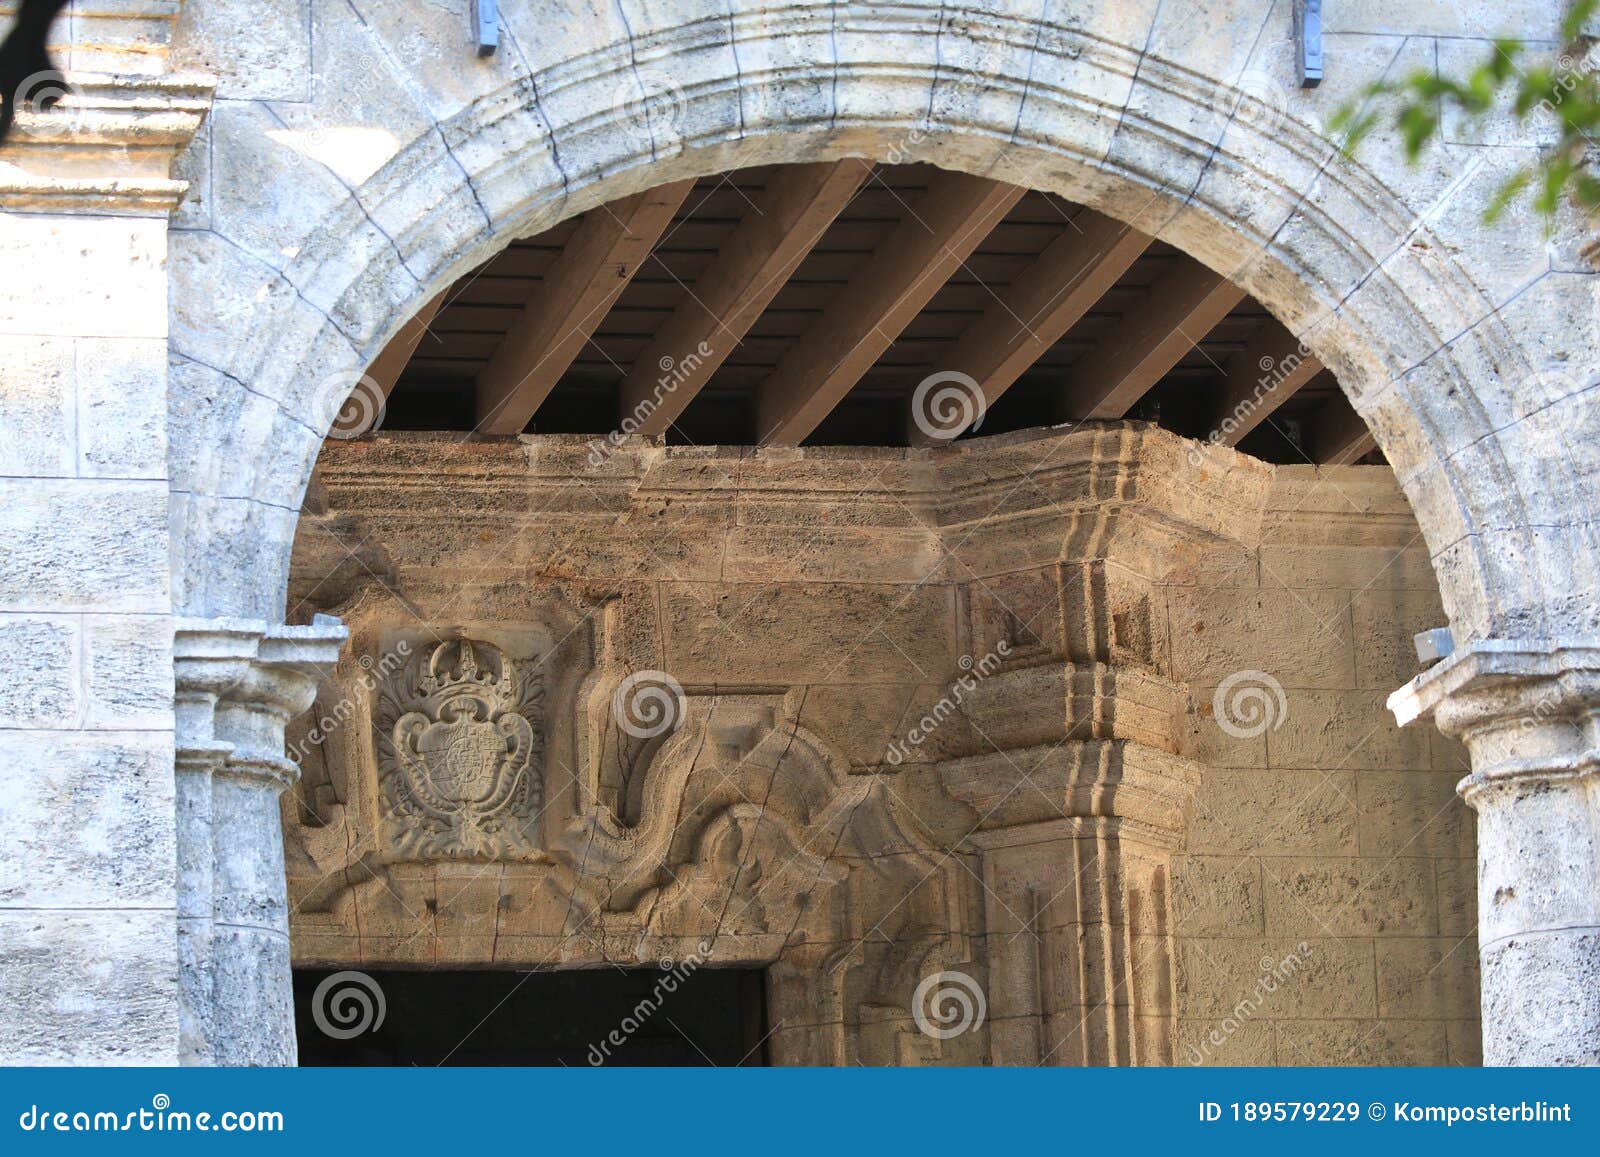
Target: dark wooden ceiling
(438, 386)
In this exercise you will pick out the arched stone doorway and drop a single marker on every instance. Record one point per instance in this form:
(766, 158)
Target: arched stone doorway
(1416, 322)
(1340, 257)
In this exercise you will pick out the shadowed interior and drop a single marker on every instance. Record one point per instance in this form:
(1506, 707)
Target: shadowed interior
(572, 1018)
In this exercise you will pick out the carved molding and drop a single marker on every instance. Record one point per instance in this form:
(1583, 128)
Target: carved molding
(107, 148)
(1141, 789)
(1053, 777)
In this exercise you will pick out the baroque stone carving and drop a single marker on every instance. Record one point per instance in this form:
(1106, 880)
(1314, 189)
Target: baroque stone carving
(460, 745)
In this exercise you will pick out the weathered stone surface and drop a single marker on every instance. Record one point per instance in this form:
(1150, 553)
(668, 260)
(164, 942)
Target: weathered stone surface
(1217, 896)
(80, 988)
(358, 193)
(1361, 1042)
(1413, 814)
(1303, 636)
(51, 696)
(83, 546)
(111, 266)
(1284, 813)
(88, 818)
(127, 664)
(1330, 978)
(38, 438)
(255, 55)
(1421, 977)
(1354, 898)
(121, 397)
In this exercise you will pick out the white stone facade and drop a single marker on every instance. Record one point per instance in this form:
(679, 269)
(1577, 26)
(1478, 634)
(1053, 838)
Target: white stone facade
(294, 181)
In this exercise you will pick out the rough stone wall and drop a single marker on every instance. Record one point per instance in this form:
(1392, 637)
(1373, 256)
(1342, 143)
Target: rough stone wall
(1322, 901)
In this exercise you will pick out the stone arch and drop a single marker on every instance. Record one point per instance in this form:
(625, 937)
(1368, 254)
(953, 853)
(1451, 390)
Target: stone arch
(1080, 105)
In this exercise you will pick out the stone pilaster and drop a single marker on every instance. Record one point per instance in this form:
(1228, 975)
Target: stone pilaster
(1080, 796)
(238, 683)
(1076, 848)
(1529, 713)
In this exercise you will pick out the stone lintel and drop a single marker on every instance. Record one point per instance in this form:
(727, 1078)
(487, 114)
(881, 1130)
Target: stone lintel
(1094, 490)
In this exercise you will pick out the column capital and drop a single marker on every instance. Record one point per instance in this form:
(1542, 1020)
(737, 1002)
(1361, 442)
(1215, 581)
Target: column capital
(1527, 709)
(238, 681)
(219, 656)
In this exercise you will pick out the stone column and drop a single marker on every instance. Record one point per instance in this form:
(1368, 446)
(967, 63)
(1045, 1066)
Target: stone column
(1529, 714)
(238, 683)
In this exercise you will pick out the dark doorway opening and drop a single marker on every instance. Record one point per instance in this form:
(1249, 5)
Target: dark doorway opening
(706, 1016)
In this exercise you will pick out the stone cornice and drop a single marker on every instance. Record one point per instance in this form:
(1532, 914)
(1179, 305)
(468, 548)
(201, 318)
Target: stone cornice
(107, 148)
(1113, 778)
(1027, 483)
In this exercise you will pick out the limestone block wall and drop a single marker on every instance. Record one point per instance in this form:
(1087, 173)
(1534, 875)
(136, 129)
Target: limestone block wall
(88, 885)
(88, 956)
(1321, 889)
(1332, 828)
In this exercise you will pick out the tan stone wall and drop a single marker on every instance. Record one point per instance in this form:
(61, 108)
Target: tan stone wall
(1337, 830)
(1322, 904)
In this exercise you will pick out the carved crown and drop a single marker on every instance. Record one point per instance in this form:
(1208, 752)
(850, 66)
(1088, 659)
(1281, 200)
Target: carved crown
(445, 678)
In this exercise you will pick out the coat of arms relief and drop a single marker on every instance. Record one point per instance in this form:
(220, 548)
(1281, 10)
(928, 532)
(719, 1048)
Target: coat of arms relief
(460, 745)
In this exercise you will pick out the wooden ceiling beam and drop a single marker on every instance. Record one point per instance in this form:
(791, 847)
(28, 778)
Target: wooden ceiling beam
(571, 300)
(386, 368)
(1260, 378)
(787, 220)
(1182, 307)
(942, 229)
(1052, 295)
(1336, 435)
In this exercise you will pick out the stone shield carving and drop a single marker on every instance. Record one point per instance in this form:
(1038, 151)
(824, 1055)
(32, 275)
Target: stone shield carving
(460, 745)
